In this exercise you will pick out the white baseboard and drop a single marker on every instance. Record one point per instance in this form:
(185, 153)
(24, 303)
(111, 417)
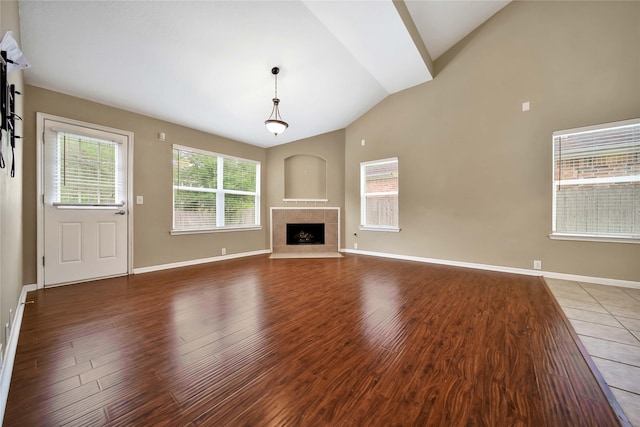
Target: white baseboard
(528, 272)
(12, 346)
(197, 261)
(590, 279)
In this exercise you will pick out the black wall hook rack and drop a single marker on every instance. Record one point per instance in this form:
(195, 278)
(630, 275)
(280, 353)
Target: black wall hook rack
(3, 89)
(8, 95)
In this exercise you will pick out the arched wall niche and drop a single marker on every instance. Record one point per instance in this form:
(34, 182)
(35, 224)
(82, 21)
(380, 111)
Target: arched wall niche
(305, 177)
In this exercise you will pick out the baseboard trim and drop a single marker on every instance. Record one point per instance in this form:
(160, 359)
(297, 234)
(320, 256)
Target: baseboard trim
(527, 272)
(12, 347)
(197, 261)
(590, 279)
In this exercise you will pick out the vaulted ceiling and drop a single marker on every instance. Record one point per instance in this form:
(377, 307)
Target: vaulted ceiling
(207, 64)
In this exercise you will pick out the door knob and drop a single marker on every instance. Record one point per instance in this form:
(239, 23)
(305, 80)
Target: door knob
(120, 212)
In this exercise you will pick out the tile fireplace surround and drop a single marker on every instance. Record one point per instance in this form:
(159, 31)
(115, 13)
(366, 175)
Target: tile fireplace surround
(280, 217)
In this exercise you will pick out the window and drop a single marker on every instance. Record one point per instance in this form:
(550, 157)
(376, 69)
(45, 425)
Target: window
(85, 171)
(596, 182)
(379, 195)
(212, 192)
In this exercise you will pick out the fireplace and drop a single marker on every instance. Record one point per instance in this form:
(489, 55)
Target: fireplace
(325, 240)
(305, 234)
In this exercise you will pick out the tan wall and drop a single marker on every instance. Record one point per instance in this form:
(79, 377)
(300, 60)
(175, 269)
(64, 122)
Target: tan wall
(305, 177)
(328, 146)
(152, 178)
(475, 171)
(11, 192)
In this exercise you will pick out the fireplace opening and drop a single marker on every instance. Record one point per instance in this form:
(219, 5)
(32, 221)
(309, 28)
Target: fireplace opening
(305, 234)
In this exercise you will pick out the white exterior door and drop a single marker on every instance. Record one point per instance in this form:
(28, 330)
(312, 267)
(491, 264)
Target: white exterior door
(85, 212)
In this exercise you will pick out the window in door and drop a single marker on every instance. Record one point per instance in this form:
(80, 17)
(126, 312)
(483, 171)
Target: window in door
(86, 171)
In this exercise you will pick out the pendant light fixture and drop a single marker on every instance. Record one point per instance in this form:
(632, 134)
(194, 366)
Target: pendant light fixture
(274, 123)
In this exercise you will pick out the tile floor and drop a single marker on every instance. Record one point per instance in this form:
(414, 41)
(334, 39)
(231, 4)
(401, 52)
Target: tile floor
(607, 321)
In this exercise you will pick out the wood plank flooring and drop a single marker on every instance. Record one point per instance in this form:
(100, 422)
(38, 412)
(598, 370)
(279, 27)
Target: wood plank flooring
(356, 341)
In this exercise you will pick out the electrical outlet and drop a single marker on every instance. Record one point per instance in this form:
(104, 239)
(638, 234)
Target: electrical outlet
(537, 264)
(355, 246)
(224, 251)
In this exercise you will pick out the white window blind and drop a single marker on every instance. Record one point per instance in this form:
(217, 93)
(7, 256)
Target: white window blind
(86, 170)
(213, 191)
(596, 184)
(239, 185)
(379, 194)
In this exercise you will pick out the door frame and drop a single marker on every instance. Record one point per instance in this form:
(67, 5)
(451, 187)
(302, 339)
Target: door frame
(40, 120)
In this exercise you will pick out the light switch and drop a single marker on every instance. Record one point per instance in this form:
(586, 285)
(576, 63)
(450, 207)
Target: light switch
(526, 106)
(139, 200)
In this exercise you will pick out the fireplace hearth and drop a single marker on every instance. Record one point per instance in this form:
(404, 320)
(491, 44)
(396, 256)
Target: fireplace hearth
(305, 234)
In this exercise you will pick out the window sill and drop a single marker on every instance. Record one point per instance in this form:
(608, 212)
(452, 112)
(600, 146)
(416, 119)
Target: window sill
(387, 229)
(214, 230)
(587, 238)
(305, 200)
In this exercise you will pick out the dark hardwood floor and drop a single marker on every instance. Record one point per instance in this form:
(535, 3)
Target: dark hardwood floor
(357, 341)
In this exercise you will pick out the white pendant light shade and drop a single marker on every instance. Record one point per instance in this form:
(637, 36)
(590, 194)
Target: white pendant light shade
(274, 123)
(276, 127)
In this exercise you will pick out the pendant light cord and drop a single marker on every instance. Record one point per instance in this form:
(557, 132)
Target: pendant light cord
(276, 85)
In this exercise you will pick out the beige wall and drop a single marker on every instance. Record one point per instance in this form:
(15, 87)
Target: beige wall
(305, 177)
(328, 146)
(152, 178)
(11, 192)
(475, 171)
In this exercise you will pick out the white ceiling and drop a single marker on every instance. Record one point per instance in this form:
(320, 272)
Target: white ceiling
(207, 64)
